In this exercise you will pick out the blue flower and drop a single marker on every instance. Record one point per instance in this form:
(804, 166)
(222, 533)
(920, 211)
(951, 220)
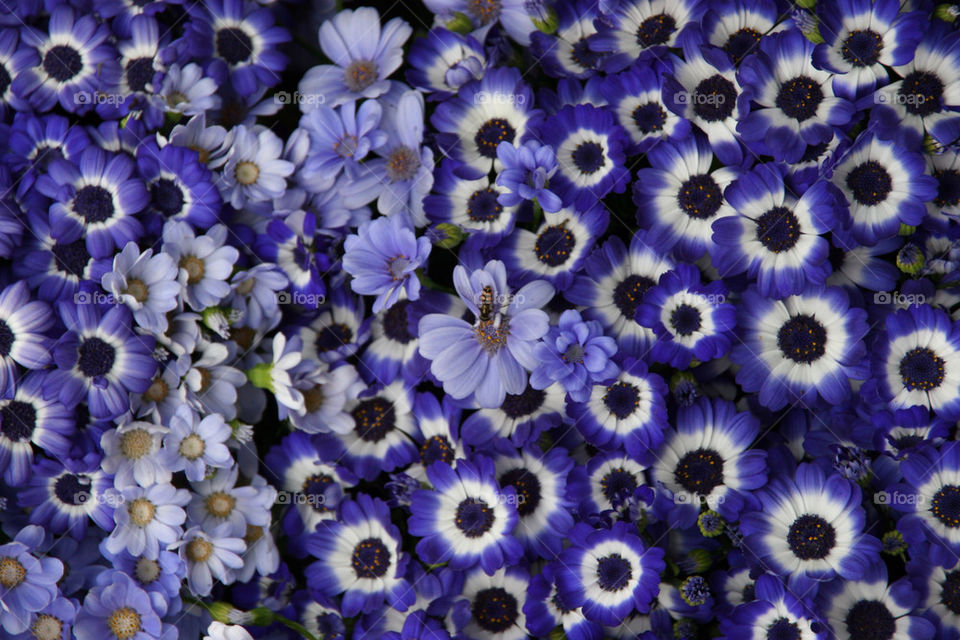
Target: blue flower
(181, 187)
(526, 175)
(491, 357)
(576, 354)
(194, 445)
(29, 583)
(633, 27)
(145, 283)
(466, 519)
(566, 52)
(776, 612)
(443, 61)
(23, 323)
(254, 170)
(609, 573)
(63, 496)
(521, 417)
(492, 606)
(382, 259)
(209, 557)
(117, 608)
(32, 415)
(514, 16)
(205, 262)
(478, 206)
(738, 26)
(340, 139)
(148, 520)
(365, 54)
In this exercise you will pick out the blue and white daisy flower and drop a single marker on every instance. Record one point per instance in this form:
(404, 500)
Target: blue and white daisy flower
(491, 606)
(364, 55)
(678, 197)
(513, 16)
(62, 496)
(205, 262)
(32, 416)
(862, 38)
(939, 589)
(521, 417)
(774, 237)
(810, 528)
(467, 519)
(359, 556)
(498, 108)
(800, 348)
(945, 168)
(23, 323)
(472, 205)
(130, 454)
(606, 480)
(443, 61)
(632, 27)
(884, 186)
(924, 102)
(566, 52)
(930, 501)
(181, 187)
(609, 573)
(340, 139)
(543, 503)
(738, 26)
(636, 98)
(707, 459)
(117, 608)
(146, 283)
(775, 613)
(140, 64)
(691, 320)
(914, 362)
(185, 90)
(254, 170)
(793, 102)
(855, 265)
(545, 609)
(706, 91)
(148, 521)
(29, 583)
(210, 557)
(630, 412)
(436, 435)
(196, 445)
(13, 59)
(339, 331)
(557, 249)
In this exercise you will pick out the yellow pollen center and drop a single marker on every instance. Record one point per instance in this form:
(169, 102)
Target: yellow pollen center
(124, 623)
(141, 512)
(192, 447)
(12, 572)
(199, 550)
(135, 444)
(246, 173)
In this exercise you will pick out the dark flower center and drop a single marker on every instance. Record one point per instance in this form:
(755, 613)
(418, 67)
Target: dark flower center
(94, 203)
(495, 610)
(946, 506)
(72, 257)
(491, 134)
(870, 620)
(334, 336)
(950, 591)
(360, 74)
(583, 56)
(139, 73)
(4, 79)
(396, 324)
(778, 229)
(72, 489)
(799, 98)
(649, 117)
(685, 319)
(948, 187)
(6, 338)
(811, 537)
(802, 339)
(783, 629)
(618, 483)
(714, 98)
(629, 293)
(524, 404)
(233, 45)
(18, 420)
(96, 357)
(700, 471)
(554, 245)
(622, 399)
(167, 197)
(588, 157)
(613, 572)
(474, 518)
(862, 48)
(402, 164)
(656, 30)
(921, 93)
(813, 152)
(700, 197)
(371, 558)
(315, 488)
(870, 183)
(741, 42)
(527, 487)
(436, 448)
(482, 206)
(921, 369)
(62, 62)
(374, 419)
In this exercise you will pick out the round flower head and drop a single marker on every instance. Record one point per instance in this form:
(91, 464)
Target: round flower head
(800, 348)
(443, 61)
(32, 416)
(53, 622)
(187, 91)
(64, 495)
(794, 101)
(364, 55)
(566, 52)
(810, 527)
(545, 609)
(576, 354)
(210, 557)
(254, 171)
(491, 357)
(23, 323)
(485, 209)
(738, 26)
(340, 139)
(605, 482)
(205, 262)
(194, 444)
(526, 175)
(146, 283)
(492, 606)
(359, 556)
(148, 521)
(382, 260)
(775, 613)
(690, 319)
(27, 583)
(884, 186)
(521, 417)
(118, 609)
(861, 38)
(590, 160)
(939, 589)
(774, 237)
(679, 197)
(181, 187)
(609, 573)
(635, 26)
(436, 434)
(466, 519)
(707, 459)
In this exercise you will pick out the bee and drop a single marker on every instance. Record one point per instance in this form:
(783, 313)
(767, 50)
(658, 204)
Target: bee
(486, 304)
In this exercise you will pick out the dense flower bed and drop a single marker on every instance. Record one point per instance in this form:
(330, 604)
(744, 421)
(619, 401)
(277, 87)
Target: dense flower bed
(479, 319)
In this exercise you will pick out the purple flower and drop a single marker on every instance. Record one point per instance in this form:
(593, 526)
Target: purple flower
(491, 357)
(117, 608)
(195, 445)
(576, 354)
(526, 175)
(28, 584)
(382, 259)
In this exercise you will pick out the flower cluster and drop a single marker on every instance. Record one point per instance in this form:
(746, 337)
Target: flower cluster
(479, 319)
